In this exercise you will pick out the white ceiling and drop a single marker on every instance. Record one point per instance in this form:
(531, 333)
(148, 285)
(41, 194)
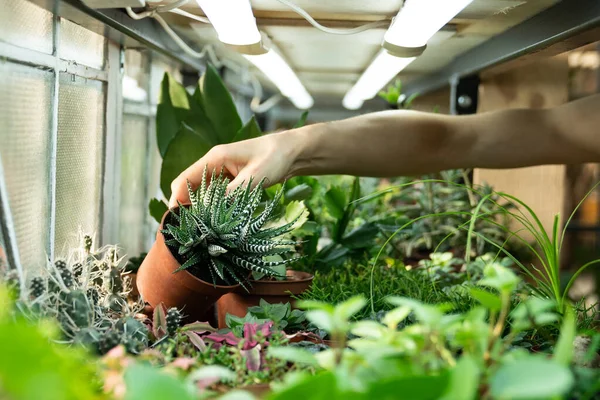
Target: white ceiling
(329, 65)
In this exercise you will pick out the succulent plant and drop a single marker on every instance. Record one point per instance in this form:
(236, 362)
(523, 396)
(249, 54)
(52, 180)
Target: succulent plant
(222, 233)
(37, 287)
(108, 340)
(173, 319)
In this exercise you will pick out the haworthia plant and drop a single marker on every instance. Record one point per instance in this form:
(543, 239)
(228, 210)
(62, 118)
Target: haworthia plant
(189, 125)
(224, 233)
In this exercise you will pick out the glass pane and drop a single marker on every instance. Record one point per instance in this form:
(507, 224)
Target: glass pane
(134, 202)
(25, 24)
(155, 162)
(81, 45)
(25, 120)
(79, 158)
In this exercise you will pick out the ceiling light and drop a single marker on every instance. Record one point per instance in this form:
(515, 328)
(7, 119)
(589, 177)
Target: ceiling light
(274, 67)
(382, 70)
(234, 22)
(416, 22)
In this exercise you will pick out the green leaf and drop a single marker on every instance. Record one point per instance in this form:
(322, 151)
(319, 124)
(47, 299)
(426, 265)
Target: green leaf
(249, 131)
(299, 192)
(464, 380)
(563, 351)
(499, 277)
(411, 387)
(368, 329)
(157, 209)
(219, 106)
(393, 317)
(144, 382)
(335, 202)
(322, 386)
(361, 237)
(531, 378)
(172, 110)
(322, 319)
(293, 354)
(184, 150)
(487, 299)
(302, 121)
(345, 310)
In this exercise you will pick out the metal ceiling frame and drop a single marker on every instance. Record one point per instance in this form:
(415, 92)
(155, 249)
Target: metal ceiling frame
(121, 28)
(565, 26)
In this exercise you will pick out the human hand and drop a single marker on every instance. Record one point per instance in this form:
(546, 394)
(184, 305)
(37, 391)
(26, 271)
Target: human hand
(270, 157)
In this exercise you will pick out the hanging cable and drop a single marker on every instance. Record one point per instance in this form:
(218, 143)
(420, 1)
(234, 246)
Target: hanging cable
(190, 15)
(334, 31)
(178, 40)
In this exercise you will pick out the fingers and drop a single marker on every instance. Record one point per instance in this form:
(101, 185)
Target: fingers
(242, 178)
(193, 174)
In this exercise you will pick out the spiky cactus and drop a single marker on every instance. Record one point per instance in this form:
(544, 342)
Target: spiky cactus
(223, 233)
(109, 340)
(37, 287)
(173, 319)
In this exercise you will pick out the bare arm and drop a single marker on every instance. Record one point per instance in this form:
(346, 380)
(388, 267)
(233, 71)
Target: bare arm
(395, 143)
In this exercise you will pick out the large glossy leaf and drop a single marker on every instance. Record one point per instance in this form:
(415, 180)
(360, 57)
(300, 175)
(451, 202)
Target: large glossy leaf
(532, 378)
(335, 202)
(157, 209)
(173, 108)
(199, 121)
(219, 106)
(249, 131)
(361, 237)
(185, 149)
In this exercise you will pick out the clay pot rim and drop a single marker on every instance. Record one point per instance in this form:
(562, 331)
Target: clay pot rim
(188, 274)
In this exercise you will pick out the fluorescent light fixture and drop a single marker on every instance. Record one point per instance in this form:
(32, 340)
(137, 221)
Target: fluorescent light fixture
(382, 70)
(233, 20)
(279, 72)
(416, 22)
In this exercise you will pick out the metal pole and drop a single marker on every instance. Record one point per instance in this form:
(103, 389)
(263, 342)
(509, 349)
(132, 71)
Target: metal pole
(7, 230)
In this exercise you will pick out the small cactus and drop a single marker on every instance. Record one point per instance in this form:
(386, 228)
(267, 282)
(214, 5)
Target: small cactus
(13, 282)
(77, 270)
(37, 287)
(93, 296)
(76, 309)
(115, 303)
(87, 243)
(173, 319)
(109, 340)
(112, 280)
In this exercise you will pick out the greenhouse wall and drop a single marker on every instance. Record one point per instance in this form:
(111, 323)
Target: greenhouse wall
(78, 144)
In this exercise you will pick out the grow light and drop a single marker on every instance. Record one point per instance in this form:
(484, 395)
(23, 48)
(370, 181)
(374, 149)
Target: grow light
(416, 22)
(279, 72)
(233, 20)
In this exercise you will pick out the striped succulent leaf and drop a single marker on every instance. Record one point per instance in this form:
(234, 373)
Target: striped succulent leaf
(224, 232)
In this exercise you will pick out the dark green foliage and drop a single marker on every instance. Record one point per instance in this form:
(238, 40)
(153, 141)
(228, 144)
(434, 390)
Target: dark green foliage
(173, 319)
(224, 234)
(134, 263)
(37, 287)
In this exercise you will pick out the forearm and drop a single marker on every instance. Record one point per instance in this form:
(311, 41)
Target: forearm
(395, 143)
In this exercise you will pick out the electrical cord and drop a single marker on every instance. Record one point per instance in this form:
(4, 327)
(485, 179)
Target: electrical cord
(334, 31)
(190, 15)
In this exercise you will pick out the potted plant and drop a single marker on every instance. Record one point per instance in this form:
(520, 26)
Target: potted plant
(210, 247)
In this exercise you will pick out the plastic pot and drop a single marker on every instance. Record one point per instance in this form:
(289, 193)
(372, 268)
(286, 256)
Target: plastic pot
(158, 283)
(237, 302)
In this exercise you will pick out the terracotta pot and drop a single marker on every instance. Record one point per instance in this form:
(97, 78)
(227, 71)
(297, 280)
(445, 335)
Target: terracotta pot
(237, 303)
(157, 283)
